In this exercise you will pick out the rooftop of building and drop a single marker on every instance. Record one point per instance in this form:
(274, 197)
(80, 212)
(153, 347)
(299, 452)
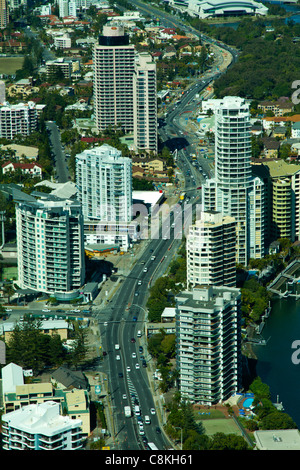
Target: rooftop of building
(278, 439)
(280, 169)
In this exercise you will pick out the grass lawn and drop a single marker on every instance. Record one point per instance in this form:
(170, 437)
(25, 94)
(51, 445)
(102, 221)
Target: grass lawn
(216, 422)
(9, 65)
(226, 426)
(9, 272)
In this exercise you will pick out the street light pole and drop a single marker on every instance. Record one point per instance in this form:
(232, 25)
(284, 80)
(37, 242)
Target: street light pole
(180, 436)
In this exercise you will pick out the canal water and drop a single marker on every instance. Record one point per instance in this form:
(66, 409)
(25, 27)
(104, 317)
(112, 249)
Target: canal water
(276, 364)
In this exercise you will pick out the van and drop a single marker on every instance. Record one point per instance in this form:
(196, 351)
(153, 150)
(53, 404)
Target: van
(139, 333)
(147, 420)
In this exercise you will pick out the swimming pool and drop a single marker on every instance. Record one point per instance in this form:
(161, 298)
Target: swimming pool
(248, 402)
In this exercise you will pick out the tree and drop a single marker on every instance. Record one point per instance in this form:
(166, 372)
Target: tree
(221, 441)
(278, 420)
(260, 389)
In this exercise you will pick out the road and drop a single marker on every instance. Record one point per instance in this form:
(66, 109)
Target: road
(117, 322)
(61, 167)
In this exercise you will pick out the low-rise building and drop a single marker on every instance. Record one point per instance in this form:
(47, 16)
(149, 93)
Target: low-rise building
(40, 427)
(33, 169)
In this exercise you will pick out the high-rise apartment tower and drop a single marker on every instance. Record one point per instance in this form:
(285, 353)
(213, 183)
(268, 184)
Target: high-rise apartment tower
(234, 191)
(208, 343)
(113, 79)
(210, 250)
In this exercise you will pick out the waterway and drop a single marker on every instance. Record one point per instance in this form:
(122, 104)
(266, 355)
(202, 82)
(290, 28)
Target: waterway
(274, 360)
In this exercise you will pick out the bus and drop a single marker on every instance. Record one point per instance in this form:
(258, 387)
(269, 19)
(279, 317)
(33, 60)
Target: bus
(152, 446)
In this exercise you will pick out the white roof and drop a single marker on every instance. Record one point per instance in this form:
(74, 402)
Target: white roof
(169, 312)
(12, 375)
(148, 197)
(42, 418)
(45, 325)
(278, 439)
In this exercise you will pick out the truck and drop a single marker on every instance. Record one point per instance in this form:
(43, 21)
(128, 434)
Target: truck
(127, 411)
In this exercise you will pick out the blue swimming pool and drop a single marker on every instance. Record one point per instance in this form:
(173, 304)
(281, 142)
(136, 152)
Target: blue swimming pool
(248, 402)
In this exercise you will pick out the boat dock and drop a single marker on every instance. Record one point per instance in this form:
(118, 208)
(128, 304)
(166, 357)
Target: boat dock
(287, 283)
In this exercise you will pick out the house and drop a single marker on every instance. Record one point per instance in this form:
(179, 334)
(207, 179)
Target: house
(279, 131)
(65, 378)
(295, 134)
(271, 147)
(280, 107)
(34, 169)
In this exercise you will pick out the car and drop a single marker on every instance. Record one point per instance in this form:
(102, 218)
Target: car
(139, 283)
(46, 310)
(141, 431)
(59, 310)
(144, 363)
(145, 270)
(158, 430)
(133, 355)
(121, 375)
(152, 411)
(118, 357)
(136, 294)
(132, 340)
(134, 319)
(104, 353)
(141, 349)
(137, 366)
(124, 396)
(8, 310)
(128, 369)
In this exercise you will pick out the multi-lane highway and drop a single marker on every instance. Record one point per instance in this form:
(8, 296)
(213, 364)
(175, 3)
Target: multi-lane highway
(120, 322)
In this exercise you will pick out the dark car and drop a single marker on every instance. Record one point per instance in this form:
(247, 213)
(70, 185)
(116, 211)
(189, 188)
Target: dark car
(132, 340)
(157, 429)
(104, 353)
(144, 363)
(141, 349)
(121, 375)
(134, 319)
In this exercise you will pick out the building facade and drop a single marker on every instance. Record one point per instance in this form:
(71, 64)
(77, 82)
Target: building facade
(16, 119)
(210, 249)
(40, 427)
(50, 246)
(104, 183)
(4, 14)
(113, 61)
(208, 343)
(234, 191)
(145, 104)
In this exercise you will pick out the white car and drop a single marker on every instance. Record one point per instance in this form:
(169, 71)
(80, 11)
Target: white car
(118, 357)
(128, 369)
(8, 310)
(133, 355)
(76, 310)
(124, 396)
(137, 366)
(46, 310)
(152, 411)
